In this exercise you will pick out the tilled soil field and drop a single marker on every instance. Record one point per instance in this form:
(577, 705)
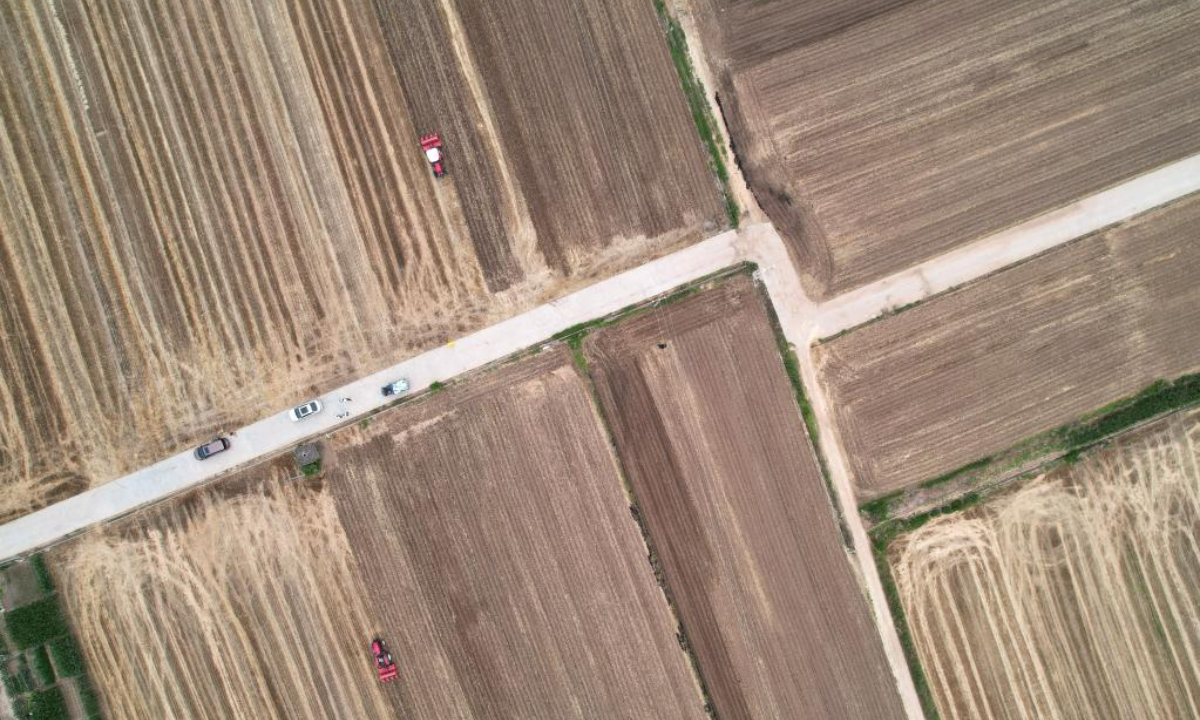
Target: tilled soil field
(501, 558)
(1075, 596)
(622, 160)
(879, 133)
(710, 436)
(242, 607)
(976, 370)
(215, 200)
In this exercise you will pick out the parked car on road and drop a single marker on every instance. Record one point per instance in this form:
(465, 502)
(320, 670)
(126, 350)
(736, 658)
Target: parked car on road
(398, 387)
(209, 449)
(298, 413)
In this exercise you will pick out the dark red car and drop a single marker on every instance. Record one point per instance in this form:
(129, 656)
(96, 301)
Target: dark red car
(383, 661)
(432, 145)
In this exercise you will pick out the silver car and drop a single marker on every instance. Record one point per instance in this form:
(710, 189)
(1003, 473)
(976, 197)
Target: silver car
(298, 413)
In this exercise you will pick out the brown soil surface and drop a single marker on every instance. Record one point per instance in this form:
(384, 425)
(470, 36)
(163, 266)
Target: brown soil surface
(1075, 596)
(240, 606)
(877, 134)
(975, 370)
(208, 201)
(622, 159)
(708, 431)
(501, 557)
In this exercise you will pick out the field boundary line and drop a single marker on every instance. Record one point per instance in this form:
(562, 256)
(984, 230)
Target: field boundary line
(276, 433)
(1008, 247)
(796, 315)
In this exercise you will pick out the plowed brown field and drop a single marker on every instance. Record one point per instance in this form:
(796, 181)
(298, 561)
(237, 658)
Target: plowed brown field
(209, 200)
(240, 608)
(879, 133)
(1077, 596)
(501, 557)
(708, 431)
(978, 369)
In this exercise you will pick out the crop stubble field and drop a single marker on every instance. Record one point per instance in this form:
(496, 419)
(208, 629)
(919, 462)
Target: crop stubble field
(501, 557)
(879, 133)
(710, 436)
(225, 607)
(1074, 596)
(978, 369)
(206, 201)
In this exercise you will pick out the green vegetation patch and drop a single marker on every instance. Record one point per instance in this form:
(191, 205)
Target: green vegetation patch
(48, 704)
(88, 698)
(311, 469)
(958, 472)
(36, 623)
(39, 663)
(68, 661)
(45, 581)
(1157, 399)
(17, 679)
(697, 100)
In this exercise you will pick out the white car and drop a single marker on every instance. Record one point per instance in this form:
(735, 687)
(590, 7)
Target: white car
(395, 388)
(298, 413)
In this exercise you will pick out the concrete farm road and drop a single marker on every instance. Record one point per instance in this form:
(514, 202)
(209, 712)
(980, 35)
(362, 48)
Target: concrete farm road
(1010, 246)
(277, 432)
(804, 321)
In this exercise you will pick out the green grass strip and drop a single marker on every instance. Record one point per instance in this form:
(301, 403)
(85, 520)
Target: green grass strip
(1157, 399)
(45, 582)
(697, 100)
(39, 662)
(881, 539)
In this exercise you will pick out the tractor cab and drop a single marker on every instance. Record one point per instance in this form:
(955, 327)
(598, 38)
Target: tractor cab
(432, 145)
(384, 664)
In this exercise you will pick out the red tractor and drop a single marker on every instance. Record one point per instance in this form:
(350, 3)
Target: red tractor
(383, 661)
(432, 145)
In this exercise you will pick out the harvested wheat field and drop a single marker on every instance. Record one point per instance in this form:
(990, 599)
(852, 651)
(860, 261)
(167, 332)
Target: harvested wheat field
(244, 607)
(214, 200)
(976, 370)
(502, 559)
(1076, 596)
(877, 134)
(709, 434)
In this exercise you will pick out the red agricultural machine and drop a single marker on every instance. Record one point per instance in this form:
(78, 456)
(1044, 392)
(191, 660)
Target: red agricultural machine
(384, 665)
(432, 145)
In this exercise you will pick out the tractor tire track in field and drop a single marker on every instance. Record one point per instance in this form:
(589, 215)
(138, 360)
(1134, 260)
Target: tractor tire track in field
(1073, 596)
(502, 556)
(234, 607)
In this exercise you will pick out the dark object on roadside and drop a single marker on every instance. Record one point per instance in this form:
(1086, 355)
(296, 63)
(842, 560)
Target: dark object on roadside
(306, 454)
(207, 450)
